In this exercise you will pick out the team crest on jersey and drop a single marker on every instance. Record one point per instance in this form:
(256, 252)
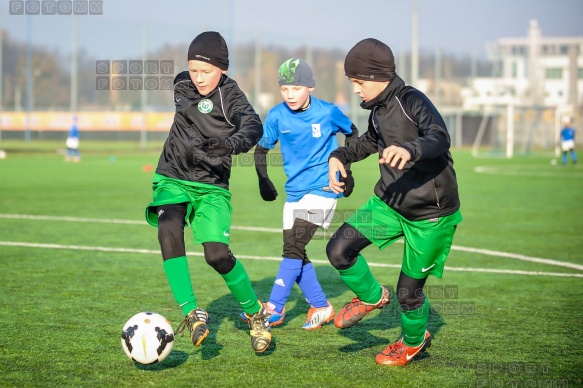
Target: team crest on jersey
(205, 106)
(316, 130)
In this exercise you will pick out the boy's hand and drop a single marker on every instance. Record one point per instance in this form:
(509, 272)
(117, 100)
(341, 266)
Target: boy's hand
(267, 189)
(216, 146)
(348, 183)
(393, 155)
(335, 166)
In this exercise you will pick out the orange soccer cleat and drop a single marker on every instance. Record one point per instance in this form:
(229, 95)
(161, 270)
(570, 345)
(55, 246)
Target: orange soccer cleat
(357, 309)
(400, 354)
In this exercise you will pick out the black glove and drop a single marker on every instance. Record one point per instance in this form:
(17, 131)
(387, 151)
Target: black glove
(348, 183)
(216, 146)
(267, 189)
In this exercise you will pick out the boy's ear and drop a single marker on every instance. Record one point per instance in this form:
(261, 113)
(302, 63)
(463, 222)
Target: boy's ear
(224, 71)
(311, 89)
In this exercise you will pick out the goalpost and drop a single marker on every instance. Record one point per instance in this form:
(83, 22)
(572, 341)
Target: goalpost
(510, 131)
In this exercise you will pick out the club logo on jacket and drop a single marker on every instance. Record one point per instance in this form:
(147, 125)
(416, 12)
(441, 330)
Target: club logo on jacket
(316, 130)
(205, 106)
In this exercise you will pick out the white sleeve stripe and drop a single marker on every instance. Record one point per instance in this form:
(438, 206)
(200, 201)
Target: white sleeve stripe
(223, 109)
(405, 112)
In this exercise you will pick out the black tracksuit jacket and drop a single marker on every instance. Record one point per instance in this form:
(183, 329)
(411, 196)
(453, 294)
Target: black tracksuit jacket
(231, 116)
(403, 116)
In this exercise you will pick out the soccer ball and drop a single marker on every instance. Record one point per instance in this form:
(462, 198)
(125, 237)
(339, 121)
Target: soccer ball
(147, 338)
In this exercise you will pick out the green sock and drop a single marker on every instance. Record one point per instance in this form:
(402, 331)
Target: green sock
(361, 281)
(240, 286)
(179, 278)
(413, 323)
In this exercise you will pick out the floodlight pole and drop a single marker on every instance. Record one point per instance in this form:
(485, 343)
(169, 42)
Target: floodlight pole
(1, 73)
(73, 91)
(415, 43)
(144, 92)
(257, 85)
(28, 77)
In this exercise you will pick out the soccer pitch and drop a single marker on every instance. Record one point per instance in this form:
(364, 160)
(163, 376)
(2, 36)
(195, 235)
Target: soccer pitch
(77, 260)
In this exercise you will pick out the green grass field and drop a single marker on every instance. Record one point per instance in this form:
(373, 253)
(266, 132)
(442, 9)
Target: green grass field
(507, 312)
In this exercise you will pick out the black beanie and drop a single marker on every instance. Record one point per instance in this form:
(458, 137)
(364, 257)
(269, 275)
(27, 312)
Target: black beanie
(210, 47)
(370, 60)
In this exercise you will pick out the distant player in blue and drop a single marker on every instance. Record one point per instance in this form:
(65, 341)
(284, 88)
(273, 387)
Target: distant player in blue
(72, 143)
(306, 128)
(568, 142)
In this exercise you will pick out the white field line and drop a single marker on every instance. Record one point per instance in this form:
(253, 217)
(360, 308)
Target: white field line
(270, 258)
(486, 252)
(521, 171)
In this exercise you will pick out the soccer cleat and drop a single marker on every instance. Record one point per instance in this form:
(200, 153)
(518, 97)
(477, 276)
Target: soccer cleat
(275, 319)
(259, 329)
(196, 321)
(400, 354)
(318, 316)
(357, 309)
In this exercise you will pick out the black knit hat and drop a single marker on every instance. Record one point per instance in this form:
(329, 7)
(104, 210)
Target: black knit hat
(370, 60)
(210, 47)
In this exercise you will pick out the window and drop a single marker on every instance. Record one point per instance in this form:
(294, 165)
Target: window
(554, 73)
(514, 70)
(580, 75)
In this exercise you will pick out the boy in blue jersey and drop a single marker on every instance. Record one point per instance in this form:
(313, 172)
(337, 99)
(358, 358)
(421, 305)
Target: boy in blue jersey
(72, 143)
(306, 128)
(568, 142)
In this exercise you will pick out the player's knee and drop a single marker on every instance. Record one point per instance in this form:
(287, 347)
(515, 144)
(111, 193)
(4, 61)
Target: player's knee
(219, 256)
(171, 230)
(410, 299)
(338, 255)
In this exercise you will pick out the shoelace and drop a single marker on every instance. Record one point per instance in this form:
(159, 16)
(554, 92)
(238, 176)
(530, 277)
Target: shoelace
(190, 320)
(258, 320)
(183, 325)
(397, 349)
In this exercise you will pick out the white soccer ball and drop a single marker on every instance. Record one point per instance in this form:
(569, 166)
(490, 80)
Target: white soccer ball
(2, 154)
(147, 338)
(554, 162)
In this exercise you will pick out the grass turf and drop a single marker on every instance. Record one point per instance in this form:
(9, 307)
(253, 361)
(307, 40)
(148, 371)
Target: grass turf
(63, 308)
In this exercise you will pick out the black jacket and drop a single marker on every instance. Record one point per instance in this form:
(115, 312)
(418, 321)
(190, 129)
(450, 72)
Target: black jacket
(229, 116)
(403, 116)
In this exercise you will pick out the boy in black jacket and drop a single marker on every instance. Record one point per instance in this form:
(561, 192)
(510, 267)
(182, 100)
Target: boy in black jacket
(213, 121)
(415, 198)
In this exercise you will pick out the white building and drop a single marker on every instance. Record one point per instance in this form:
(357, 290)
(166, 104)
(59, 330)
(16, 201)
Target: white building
(531, 71)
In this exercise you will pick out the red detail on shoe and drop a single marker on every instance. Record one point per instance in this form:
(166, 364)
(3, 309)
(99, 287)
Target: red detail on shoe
(399, 354)
(354, 311)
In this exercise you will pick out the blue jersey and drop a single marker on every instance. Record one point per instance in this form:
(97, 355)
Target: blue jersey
(567, 134)
(307, 138)
(74, 131)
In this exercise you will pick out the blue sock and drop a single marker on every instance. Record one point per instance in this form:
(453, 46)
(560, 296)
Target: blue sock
(289, 270)
(564, 158)
(311, 288)
(573, 156)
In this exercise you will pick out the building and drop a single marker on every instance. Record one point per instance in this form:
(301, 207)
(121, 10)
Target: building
(534, 71)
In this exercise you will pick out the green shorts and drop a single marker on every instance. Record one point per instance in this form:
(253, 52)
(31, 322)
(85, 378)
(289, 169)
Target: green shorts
(208, 207)
(427, 242)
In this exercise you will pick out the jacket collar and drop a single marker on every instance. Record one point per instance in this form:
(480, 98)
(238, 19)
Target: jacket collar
(391, 90)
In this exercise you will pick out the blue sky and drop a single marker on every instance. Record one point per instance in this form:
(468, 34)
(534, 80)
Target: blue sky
(453, 26)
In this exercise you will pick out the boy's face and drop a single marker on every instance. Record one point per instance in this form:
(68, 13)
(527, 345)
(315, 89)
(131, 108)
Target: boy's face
(367, 90)
(296, 97)
(205, 76)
